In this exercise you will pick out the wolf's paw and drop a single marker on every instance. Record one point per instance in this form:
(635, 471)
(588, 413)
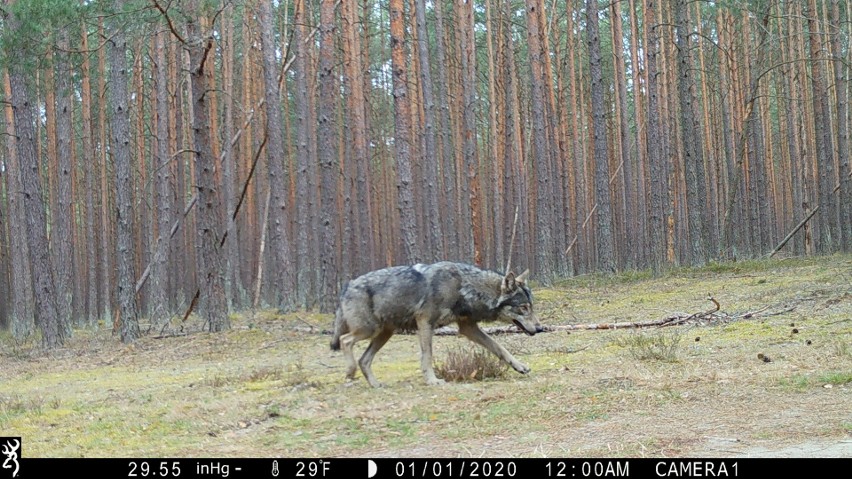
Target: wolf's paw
(521, 368)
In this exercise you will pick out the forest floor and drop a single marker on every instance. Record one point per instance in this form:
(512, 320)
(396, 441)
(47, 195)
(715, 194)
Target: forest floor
(270, 388)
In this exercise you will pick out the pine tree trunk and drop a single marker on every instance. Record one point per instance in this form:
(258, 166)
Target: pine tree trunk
(47, 317)
(90, 172)
(64, 213)
(605, 249)
(690, 129)
(304, 153)
(282, 282)
(120, 147)
(160, 275)
(328, 159)
(840, 85)
(107, 252)
(402, 134)
(22, 292)
(658, 186)
(451, 229)
(214, 306)
(543, 236)
(430, 156)
(233, 264)
(469, 147)
(828, 228)
(358, 133)
(629, 238)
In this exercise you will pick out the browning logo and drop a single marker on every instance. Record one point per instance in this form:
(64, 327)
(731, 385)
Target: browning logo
(11, 447)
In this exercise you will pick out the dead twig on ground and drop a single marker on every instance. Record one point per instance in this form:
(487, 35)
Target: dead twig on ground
(714, 315)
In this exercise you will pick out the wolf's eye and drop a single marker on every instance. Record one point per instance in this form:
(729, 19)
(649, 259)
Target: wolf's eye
(525, 308)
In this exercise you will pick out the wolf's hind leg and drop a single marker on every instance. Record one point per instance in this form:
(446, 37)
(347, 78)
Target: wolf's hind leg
(346, 342)
(367, 358)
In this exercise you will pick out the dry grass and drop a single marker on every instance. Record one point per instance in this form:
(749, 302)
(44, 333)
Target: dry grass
(465, 364)
(658, 345)
(267, 389)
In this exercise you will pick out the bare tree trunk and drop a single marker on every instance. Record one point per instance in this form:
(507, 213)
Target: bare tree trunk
(451, 230)
(828, 228)
(696, 194)
(304, 153)
(329, 166)
(120, 147)
(605, 248)
(468, 127)
(209, 212)
(90, 172)
(654, 142)
(233, 281)
(64, 213)
(543, 236)
(429, 155)
(282, 284)
(840, 85)
(47, 316)
(106, 251)
(160, 278)
(630, 237)
(402, 133)
(358, 133)
(22, 292)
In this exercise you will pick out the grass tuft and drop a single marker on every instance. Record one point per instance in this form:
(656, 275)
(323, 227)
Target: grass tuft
(652, 346)
(464, 364)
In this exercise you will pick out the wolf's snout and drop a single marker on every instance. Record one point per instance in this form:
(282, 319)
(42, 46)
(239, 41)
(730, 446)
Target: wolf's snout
(524, 328)
(539, 328)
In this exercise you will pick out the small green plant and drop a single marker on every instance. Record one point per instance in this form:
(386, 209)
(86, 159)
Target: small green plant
(463, 364)
(836, 378)
(797, 382)
(652, 346)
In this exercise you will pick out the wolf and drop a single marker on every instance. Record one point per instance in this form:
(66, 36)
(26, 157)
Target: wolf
(425, 297)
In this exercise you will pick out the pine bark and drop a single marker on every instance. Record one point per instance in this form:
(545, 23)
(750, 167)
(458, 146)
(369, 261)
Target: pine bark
(328, 159)
(402, 134)
(47, 316)
(429, 157)
(120, 147)
(22, 292)
(605, 247)
(690, 130)
(214, 306)
(357, 125)
(543, 235)
(160, 274)
(828, 229)
(282, 282)
(842, 102)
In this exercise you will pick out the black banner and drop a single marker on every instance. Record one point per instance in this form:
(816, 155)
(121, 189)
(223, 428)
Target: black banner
(434, 468)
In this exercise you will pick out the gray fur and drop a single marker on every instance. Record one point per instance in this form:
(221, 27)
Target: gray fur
(425, 297)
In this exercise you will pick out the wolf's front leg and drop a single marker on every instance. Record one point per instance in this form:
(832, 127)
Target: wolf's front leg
(471, 331)
(424, 330)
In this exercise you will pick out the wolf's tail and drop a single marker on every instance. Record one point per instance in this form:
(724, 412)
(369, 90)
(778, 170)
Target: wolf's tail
(340, 329)
(340, 326)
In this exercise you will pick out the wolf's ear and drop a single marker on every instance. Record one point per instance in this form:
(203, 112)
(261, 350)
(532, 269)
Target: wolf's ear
(522, 277)
(508, 283)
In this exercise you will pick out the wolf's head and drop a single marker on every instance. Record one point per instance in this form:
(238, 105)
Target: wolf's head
(515, 304)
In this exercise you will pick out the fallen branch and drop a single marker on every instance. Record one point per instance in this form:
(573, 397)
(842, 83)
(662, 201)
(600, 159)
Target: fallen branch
(672, 320)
